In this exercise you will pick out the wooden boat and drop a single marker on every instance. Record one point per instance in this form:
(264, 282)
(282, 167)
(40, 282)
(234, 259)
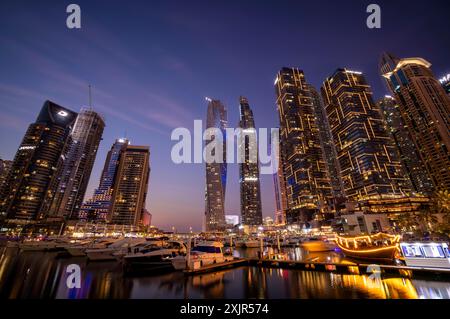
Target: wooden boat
(378, 247)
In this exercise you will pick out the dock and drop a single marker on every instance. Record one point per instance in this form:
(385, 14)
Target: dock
(352, 269)
(216, 267)
(384, 271)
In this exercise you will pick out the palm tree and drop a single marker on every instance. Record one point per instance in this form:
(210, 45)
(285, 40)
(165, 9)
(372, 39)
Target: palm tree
(407, 221)
(441, 202)
(426, 219)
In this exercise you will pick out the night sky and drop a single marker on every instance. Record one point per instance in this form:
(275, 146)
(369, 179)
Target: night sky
(152, 63)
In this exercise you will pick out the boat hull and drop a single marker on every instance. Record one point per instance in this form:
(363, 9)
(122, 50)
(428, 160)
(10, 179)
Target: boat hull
(384, 253)
(146, 266)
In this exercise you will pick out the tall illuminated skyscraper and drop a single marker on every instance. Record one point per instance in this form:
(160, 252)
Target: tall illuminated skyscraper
(307, 184)
(131, 186)
(425, 110)
(326, 140)
(407, 152)
(368, 162)
(5, 168)
(216, 173)
(86, 137)
(99, 207)
(32, 183)
(445, 81)
(249, 170)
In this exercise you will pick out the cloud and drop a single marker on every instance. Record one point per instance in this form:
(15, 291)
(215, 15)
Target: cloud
(13, 122)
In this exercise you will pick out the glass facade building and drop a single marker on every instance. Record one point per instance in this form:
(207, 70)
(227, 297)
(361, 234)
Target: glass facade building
(368, 162)
(306, 182)
(131, 186)
(33, 180)
(425, 109)
(216, 172)
(249, 179)
(408, 155)
(99, 206)
(86, 137)
(326, 140)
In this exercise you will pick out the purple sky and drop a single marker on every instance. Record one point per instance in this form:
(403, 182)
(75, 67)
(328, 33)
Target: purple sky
(151, 63)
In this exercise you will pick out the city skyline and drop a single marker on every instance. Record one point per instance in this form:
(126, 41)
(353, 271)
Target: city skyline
(129, 116)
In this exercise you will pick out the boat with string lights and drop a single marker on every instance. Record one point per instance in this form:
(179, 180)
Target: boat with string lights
(378, 247)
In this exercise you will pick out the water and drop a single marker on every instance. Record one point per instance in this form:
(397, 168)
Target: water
(42, 275)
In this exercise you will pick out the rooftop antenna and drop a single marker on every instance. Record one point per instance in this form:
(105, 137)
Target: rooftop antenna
(90, 98)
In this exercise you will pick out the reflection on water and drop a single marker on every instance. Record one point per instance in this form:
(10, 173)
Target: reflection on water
(42, 275)
(297, 254)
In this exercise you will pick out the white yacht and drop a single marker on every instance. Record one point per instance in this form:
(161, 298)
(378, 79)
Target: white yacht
(154, 258)
(79, 249)
(205, 253)
(113, 250)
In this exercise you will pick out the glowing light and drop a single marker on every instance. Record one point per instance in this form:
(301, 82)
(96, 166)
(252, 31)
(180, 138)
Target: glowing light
(63, 113)
(353, 72)
(208, 99)
(22, 148)
(445, 79)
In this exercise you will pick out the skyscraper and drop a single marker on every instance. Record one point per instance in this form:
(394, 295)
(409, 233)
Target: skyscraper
(5, 168)
(86, 137)
(445, 81)
(32, 183)
(249, 170)
(216, 172)
(131, 186)
(425, 110)
(405, 147)
(280, 192)
(326, 140)
(307, 185)
(368, 162)
(99, 207)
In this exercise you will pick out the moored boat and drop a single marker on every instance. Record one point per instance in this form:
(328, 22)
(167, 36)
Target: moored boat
(318, 245)
(247, 243)
(426, 254)
(378, 247)
(153, 259)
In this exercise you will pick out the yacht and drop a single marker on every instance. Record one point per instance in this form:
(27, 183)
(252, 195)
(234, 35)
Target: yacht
(205, 253)
(247, 243)
(153, 258)
(79, 249)
(113, 250)
(317, 245)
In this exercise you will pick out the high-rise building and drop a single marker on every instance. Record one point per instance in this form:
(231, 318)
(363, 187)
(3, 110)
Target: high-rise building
(216, 171)
(5, 168)
(368, 162)
(99, 206)
(405, 147)
(131, 186)
(425, 110)
(305, 178)
(326, 140)
(32, 183)
(445, 81)
(86, 137)
(249, 181)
